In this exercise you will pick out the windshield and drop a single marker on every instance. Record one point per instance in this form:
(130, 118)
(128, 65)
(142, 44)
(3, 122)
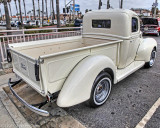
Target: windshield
(149, 21)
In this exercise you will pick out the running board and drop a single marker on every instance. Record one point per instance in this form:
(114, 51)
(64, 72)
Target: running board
(123, 73)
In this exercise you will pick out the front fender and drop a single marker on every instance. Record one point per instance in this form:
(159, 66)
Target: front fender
(77, 87)
(145, 49)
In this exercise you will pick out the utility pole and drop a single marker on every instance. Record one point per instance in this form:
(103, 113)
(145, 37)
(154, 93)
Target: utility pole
(108, 4)
(73, 10)
(42, 12)
(100, 4)
(121, 3)
(155, 8)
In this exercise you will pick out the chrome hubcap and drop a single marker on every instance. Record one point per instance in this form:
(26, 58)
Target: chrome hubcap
(153, 57)
(102, 90)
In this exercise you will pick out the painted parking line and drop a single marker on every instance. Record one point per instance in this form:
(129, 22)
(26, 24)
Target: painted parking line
(149, 114)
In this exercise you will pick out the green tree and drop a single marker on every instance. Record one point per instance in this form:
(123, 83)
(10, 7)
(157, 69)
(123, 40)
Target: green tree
(46, 9)
(52, 10)
(86, 10)
(24, 4)
(152, 10)
(8, 24)
(15, 1)
(39, 11)
(34, 10)
(58, 13)
(42, 12)
(20, 11)
(9, 1)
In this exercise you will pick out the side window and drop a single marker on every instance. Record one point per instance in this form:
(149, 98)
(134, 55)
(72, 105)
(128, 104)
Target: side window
(101, 23)
(134, 24)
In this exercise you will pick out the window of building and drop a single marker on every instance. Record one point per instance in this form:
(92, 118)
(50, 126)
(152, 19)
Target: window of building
(101, 23)
(134, 24)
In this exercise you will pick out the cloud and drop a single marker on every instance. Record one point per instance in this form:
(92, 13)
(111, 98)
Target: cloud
(84, 4)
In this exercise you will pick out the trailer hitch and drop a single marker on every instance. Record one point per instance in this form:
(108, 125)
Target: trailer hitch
(40, 104)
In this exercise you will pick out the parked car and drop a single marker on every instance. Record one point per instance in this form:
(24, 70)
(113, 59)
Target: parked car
(78, 22)
(151, 26)
(1, 22)
(61, 21)
(13, 24)
(31, 22)
(24, 22)
(83, 68)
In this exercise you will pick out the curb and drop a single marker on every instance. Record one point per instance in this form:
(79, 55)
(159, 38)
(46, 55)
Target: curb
(5, 71)
(19, 120)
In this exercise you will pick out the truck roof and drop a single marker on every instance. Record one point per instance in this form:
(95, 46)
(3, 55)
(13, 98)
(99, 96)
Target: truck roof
(129, 12)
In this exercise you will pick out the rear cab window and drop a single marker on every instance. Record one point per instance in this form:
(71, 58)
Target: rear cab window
(101, 23)
(134, 24)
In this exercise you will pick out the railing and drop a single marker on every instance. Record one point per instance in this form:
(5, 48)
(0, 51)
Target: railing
(19, 36)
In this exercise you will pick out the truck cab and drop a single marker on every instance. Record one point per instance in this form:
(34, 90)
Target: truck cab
(124, 25)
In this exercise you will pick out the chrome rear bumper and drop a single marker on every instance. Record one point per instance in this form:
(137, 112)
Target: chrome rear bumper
(32, 108)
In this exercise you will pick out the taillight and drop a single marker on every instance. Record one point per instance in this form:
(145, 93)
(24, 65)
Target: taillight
(156, 28)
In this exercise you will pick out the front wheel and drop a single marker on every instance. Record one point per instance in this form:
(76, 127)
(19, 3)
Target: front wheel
(152, 59)
(100, 90)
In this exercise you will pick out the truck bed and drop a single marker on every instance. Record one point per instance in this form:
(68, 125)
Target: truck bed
(59, 57)
(35, 49)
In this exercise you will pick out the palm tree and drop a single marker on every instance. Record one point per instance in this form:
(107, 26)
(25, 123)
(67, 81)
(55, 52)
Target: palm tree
(29, 12)
(0, 10)
(46, 9)
(10, 7)
(58, 14)
(42, 12)
(34, 10)
(24, 9)
(16, 7)
(8, 24)
(39, 11)
(53, 13)
(108, 4)
(19, 1)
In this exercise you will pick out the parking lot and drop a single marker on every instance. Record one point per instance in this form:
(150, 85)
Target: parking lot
(128, 103)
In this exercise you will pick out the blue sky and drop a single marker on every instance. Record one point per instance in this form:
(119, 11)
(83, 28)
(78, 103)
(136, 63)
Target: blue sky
(88, 4)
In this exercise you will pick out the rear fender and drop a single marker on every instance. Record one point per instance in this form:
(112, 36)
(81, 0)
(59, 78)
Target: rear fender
(145, 49)
(77, 87)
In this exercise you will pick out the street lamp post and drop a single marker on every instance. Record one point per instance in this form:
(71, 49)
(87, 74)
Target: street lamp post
(121, 4)
(73, 10)
(108, 4)
(100, 4)
(155, 8)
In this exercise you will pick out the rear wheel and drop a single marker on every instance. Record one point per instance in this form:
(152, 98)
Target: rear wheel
(158, 34)
(100, 90)
(152, 59)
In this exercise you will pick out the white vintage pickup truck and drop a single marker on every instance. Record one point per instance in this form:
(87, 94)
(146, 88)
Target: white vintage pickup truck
(84, 68)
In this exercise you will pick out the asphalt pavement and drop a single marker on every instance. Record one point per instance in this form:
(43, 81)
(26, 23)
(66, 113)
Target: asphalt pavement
(155, 120)
(128, 103)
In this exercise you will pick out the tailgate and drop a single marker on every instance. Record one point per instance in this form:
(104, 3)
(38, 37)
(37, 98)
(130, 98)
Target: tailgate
(24, 67)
